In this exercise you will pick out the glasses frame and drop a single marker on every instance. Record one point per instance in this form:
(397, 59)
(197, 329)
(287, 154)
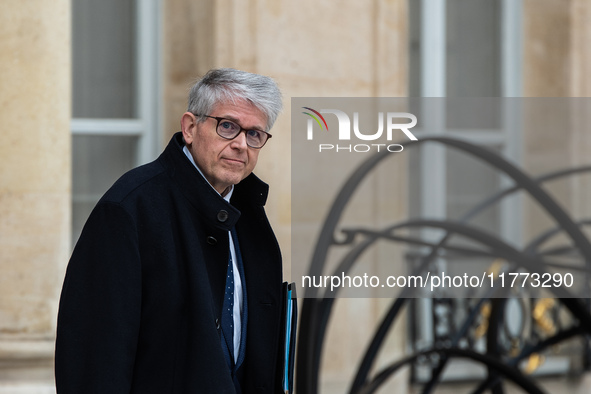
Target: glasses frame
(219, 119)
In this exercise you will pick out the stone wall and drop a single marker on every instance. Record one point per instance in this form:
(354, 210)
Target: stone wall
(556, 64)
(34, 187)
(312, 48)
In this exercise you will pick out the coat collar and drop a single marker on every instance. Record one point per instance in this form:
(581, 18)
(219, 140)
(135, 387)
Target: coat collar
(202, 196)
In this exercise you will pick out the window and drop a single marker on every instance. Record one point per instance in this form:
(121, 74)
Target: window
(459, 49)
(115, 95)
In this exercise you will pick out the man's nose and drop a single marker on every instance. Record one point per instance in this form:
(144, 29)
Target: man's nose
(240, 140)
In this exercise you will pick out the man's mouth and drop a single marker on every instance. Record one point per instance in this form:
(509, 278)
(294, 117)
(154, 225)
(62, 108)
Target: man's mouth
(233, 161)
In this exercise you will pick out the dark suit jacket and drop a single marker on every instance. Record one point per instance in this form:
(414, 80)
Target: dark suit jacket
(141, 302)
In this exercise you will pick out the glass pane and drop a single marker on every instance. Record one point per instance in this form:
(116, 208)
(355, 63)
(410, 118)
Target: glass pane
(98, 163)
(469, 182)
(473, 63)
(473, 67)
(483, 114)
(103, 58)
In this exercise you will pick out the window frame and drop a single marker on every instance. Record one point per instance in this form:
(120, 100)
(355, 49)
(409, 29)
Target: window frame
(433, 165)
(146, 127)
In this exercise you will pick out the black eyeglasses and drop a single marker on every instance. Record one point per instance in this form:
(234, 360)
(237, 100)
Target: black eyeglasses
(229, 130)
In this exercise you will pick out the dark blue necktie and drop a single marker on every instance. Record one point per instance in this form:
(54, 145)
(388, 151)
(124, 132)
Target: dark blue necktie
(228, 316)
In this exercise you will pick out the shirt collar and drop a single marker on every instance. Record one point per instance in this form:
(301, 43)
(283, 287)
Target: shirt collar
(190, 157)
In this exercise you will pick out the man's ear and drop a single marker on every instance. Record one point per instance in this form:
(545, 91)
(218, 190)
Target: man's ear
(188, 127)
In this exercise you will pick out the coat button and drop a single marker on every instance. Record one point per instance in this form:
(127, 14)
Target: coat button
(211, 240)
(217, 324)
(222, 216)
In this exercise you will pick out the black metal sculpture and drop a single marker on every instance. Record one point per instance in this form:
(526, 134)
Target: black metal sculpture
(317, 307)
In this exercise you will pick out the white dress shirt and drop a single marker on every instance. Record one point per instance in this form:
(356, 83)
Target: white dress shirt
(238, 299)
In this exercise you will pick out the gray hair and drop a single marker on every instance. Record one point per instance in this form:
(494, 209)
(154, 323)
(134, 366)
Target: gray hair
(230, 85)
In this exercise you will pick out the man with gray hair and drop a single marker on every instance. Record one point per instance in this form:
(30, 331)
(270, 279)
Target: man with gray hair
(175, 283)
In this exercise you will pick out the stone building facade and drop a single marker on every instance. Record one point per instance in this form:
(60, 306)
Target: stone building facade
(312, 48)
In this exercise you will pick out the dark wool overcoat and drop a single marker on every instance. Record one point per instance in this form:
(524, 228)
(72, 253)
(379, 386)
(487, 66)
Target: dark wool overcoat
(141, 302)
